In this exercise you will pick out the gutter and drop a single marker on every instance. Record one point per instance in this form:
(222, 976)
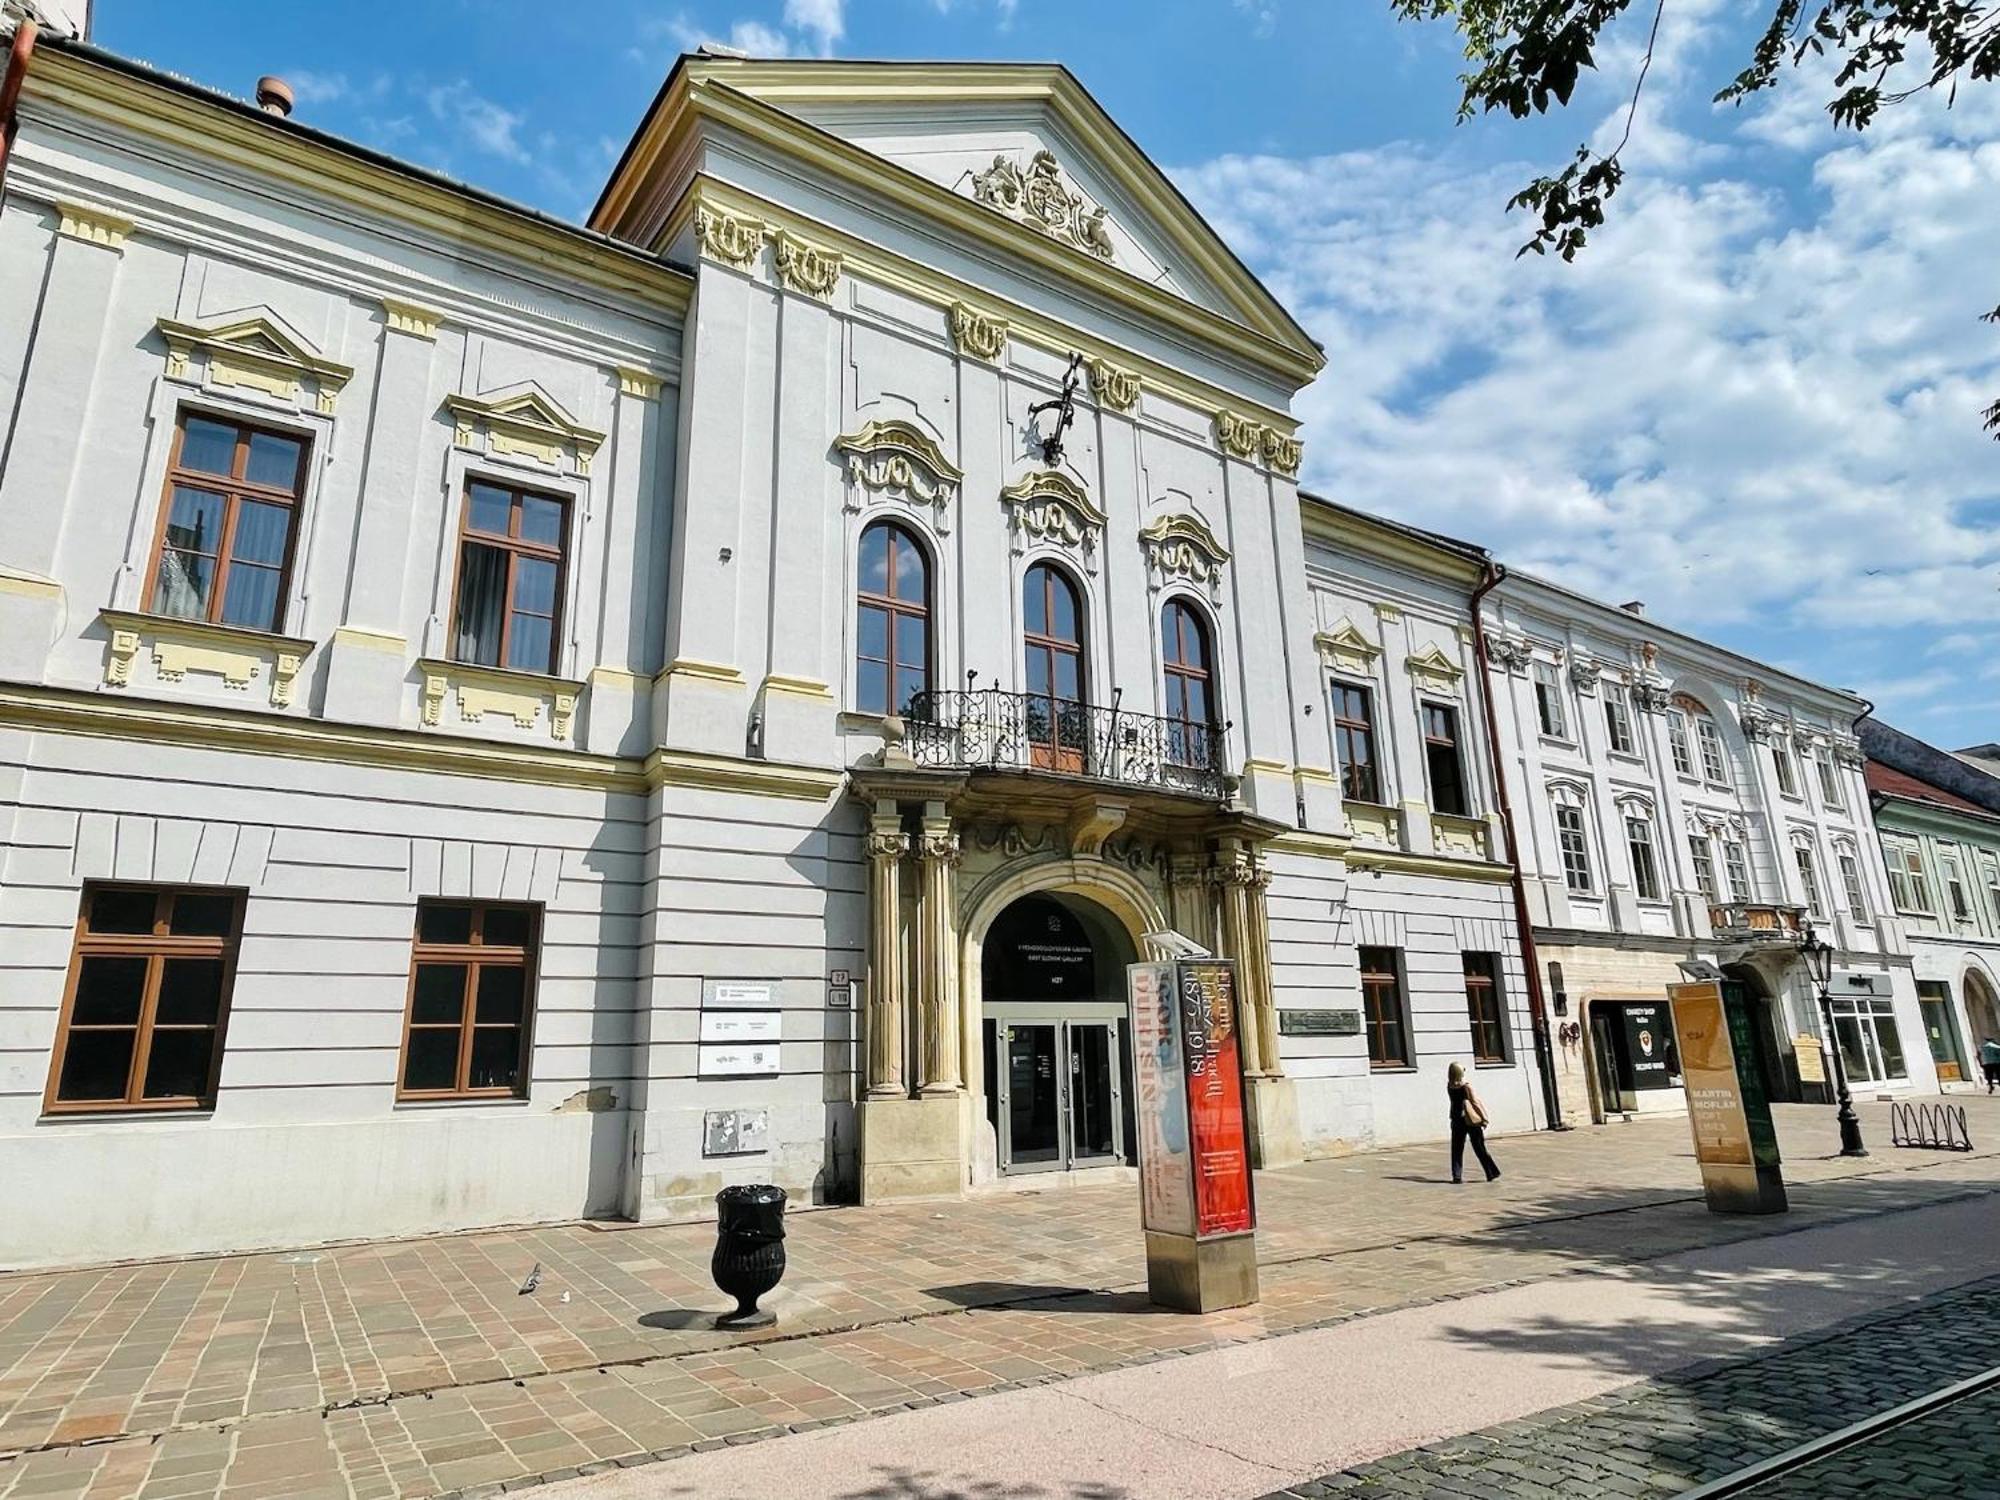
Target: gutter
(1530, 958)
(10, 90)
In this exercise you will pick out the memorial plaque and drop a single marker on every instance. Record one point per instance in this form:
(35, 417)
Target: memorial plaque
(1319, 1023)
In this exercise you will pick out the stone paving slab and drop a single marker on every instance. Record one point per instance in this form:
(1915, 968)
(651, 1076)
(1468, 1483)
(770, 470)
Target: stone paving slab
(416, 1367)
(1659, 1438)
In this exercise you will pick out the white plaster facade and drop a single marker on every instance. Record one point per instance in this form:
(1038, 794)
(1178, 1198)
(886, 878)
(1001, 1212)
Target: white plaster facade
(1740, 777)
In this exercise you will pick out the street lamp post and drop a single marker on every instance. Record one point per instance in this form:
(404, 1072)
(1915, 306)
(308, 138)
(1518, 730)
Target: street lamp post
(1818, 957)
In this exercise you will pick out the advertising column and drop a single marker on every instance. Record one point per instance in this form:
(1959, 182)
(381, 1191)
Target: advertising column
(1195, 1194)
(1734, 1139)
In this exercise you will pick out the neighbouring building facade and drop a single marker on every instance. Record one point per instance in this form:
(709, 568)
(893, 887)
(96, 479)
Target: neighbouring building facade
(1939, 820)
(1680, 804)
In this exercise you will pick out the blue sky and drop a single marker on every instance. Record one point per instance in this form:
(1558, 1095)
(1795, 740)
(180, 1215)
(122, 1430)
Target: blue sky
(1752, 403)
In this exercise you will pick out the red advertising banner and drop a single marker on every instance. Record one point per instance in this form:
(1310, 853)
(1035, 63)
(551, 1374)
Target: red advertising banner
(1222, 1191)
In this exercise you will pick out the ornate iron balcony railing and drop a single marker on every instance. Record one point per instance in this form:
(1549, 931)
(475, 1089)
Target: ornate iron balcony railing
(987, 729)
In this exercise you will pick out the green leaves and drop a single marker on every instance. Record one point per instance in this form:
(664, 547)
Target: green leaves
(1526, 57)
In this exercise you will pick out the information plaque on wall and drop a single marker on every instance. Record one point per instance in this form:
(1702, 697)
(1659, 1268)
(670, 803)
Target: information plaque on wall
(740, 1029)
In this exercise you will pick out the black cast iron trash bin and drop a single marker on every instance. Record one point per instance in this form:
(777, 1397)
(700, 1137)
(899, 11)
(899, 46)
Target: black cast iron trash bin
(749, 1250)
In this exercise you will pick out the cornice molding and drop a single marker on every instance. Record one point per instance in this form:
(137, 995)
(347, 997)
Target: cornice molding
(126, 101)
(94, 226)
(407, 317)
(897, 458)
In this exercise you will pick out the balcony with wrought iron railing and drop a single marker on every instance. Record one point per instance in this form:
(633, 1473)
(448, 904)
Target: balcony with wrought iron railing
(987, 729)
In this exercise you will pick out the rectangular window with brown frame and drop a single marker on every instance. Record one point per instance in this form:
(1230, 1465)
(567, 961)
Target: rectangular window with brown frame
(1382, 1008)
(147, 1001)
(1442, 760)
(228, 522)
(472, 1001)
(1483, 1008)
(508, 611)
(1354, 742)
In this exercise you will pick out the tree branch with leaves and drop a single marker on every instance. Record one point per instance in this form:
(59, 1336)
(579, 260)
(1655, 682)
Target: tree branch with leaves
(1526, 57)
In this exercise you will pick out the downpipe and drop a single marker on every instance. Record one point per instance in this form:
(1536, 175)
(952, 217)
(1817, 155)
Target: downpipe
(1530, 958)
(10, 90)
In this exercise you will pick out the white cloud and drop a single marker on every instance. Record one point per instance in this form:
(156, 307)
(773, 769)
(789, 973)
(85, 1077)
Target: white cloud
(489, 126)
(820, 18)
(1755, 410)
(1263, 15)
(309, 87)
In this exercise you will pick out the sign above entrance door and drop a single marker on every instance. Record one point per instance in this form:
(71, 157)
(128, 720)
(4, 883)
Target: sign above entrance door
(1040, 950)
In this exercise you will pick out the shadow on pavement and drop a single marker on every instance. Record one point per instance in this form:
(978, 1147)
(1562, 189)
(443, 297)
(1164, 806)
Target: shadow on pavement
(906, 1484)
(674, 1319)
(1045, 1298)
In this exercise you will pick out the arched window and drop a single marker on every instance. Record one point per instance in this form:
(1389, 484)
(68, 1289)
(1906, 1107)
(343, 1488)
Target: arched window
(1052, 628)
(1189, 684)
(893, 636)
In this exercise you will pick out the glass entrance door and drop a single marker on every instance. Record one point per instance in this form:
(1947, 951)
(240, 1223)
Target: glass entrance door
(1061, 1094)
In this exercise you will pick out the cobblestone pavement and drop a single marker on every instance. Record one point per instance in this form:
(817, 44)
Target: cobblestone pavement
(1955, 1452)
(416, 1368)
(1659, 1438)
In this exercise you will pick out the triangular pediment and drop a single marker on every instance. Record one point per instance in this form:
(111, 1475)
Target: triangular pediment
(1025, 145)
(252, 348)
(523, 421)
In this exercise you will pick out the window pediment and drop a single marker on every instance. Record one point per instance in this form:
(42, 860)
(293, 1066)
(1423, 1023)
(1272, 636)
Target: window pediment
(1435, 671)
(523, 421)
(1181, 549)
(255, 351)
(1345, 649)
(898, 459)
(1050, 507)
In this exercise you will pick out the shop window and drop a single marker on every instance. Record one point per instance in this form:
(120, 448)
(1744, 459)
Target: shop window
(148, 999)
(1871, 1048)
(1443, 760)
(1383, 1008)
(892, 622)
(1484, 1008)
(472, 1001)
(510, 578)
(1354, 742)
(227, 524)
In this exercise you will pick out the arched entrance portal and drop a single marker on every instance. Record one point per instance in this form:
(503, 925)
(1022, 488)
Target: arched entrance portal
(1982, 1008)
(1055, 1035)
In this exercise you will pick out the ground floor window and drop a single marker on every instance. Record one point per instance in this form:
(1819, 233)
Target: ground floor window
(1871, 1049)
(1382, 1005)
(1482, 1004)
(148, 999)
(472, 995)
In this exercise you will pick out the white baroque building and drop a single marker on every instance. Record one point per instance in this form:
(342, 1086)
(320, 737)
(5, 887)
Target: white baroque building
(1682, 803)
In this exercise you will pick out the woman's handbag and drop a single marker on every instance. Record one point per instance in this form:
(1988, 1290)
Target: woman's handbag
(1474, 1115)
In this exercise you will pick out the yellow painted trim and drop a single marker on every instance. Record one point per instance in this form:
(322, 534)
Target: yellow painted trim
(865, 259)
(753, 98)
(705, 671)
(1367, 857)
(618, 677)
(641, 384)
(261, 150)
(362, 639)
(1314, 845)
(30, 588)
(407, 317)
(1313, 773)
(1343, 531)
(798, 687)
(1271, 767)
(684, 768)
(249, 732)
(92, 225)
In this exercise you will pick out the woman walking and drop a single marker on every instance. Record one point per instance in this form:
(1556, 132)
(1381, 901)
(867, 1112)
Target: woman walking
(1468, 1122)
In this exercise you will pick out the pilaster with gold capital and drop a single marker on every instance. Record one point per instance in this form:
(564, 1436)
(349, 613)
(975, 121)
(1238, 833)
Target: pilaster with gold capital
(938, 1014)
(887, 847)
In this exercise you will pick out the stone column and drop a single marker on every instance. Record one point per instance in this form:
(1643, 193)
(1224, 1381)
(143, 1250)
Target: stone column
(1265, 1001)
(887, 844)
(937, 953)
(1192, 910)
(1234, 875)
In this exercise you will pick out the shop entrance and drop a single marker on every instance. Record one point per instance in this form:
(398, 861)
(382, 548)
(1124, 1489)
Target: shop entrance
(1056, 1037)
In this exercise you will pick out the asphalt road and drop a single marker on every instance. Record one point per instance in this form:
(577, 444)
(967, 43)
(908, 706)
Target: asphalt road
(1246, 1420)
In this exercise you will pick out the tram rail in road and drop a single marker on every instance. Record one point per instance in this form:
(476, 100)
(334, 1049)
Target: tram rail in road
(1750, 1480)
